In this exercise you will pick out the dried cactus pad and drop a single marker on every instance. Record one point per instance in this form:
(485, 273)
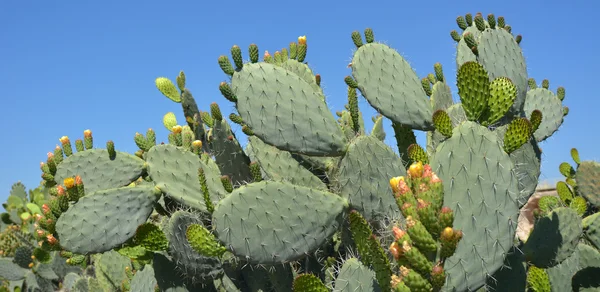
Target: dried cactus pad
(276, 222)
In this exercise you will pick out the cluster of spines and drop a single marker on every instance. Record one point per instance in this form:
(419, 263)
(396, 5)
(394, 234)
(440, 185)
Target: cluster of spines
(429, 237)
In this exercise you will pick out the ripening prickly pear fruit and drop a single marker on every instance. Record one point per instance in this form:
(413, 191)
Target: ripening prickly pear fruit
(369, 36)
(253, 52)
(439, 72)
(426, 86)
(416, 259)
(413, 280)
(197, 147)
(79, 145)
(398, 285)
(267, 58)
(532, 84)
(246, 130)
(236, 119)
(420, 236)
(518, 39)
(88, 140)
(491, 20)
(302, 48)
(462, 23)
(318, 79)
(560, 93)
(357, 39)
(293, 50)
(428, 216)
(446, 217)
(545, 83)
(255, 171)
(236, 54)
(415, 170)
(416, 153)
(455, 36)
(351, 82)
(479, 22)
(277, 57)
(409, 210)
(110, 147)
(215, 112)
(225, 65)
(226, 181)
(501, 22)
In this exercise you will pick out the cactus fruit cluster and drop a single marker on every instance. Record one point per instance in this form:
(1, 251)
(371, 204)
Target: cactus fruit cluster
(315, 203)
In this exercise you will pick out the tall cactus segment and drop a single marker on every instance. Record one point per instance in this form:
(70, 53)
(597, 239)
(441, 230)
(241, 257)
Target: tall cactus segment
(82, 231)
(391, 86)
(480, 186)
(276, 222)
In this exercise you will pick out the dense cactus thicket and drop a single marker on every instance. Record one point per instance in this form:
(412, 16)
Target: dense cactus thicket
(314, 202)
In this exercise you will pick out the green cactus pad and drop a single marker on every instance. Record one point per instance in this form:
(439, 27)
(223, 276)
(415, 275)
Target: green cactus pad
(501, 56)
(104, 220)
(10, 270)
(481, 188)
(512, 276)
(279, 165)
(168, 89)
(229, 155)
(517, 134)
(591, 228)
(586, 279)
(309, 282)
(144, 280)
(442, 123)
(588, 181)
(474, 89)
(537, 279)
(111, 269)
(463, 51)
(441, 96)
(169, 121)
(551, 107)
(502, 96)
(175, 171)
(364, 174)
(304, 72)
(391, 86)
(194, 265)
(355, 277)
(378, 132)
(98, 171)
(271, 98)
(527, 162)
(276, 222)
(554, 238)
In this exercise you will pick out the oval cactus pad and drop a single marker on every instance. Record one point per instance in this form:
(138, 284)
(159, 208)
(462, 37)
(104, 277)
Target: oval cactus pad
(276, 222)
(285, 111)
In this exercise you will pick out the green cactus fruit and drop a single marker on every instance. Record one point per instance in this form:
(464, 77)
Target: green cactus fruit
(245, 231)
(503, 94)
(215, 112)
(565, 111)
(531, 83)
(354, 276)
(168, 89)
(579, 204)
(66, 146)
(554, 238)
(518, 39)
(508, 28)
(227, 183)
(256, 171)
(470, 42)
(414, 281)
(588, 181)
(180, 80)
(462, 24)
(575, 155)
(151, 136)
(325, 138)
(169, 121)
(207, 119)
(204, 242)
(226, 66)
(446, 217)
(236, 54)
(564, 192)
(480, 23)
(377, 68)
(227, 92)
(426, 85)
(566, 170)
(405, 137)
(431, 78)
(455, 36)
(416, 259)
(560, 93)
(253, 52)
(175, 171)
(473, 88)
(420, 236)
(536, 120)
(141, 142)
(442, 123)
(491, 19)
(369, 36)
(357, 39)
(79, 145)
(124, 209)
(417, 154)
(517, 134)
(236, 119)
(363, 177)
(545, 83)
(537, 280)
(308, 283)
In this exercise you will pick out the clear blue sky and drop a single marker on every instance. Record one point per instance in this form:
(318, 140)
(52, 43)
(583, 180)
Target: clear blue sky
(68, 66)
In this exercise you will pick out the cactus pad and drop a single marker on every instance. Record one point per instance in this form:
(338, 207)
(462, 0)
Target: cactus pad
(588, 181)
(355, 277)
(276, 222)
(441, 96)
(105, 219)
(144, 280)
(474, 88)
(279, 165)
(391, 86)
(175, 171)
(552, 111)
(364, 174)
(502, 96)
(554, 238)
(481, 188)
(271, 98)
(98, 171)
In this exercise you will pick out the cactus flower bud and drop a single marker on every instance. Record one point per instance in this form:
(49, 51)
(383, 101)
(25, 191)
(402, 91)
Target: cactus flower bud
(197, 144)
(64, 140)
(177, 129)
(394, 183)
(69, 182)
(45, 209)
(416, 170)
(51, 239)
(302, 40)
(398, 233)
(266, 55)
(38, 217)
(60, 190)
(447, 233)
(87, 133)
(427, 171)
(39, 232)
(50, 155)
(78, 180)
(394, 250)
(435, 178)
